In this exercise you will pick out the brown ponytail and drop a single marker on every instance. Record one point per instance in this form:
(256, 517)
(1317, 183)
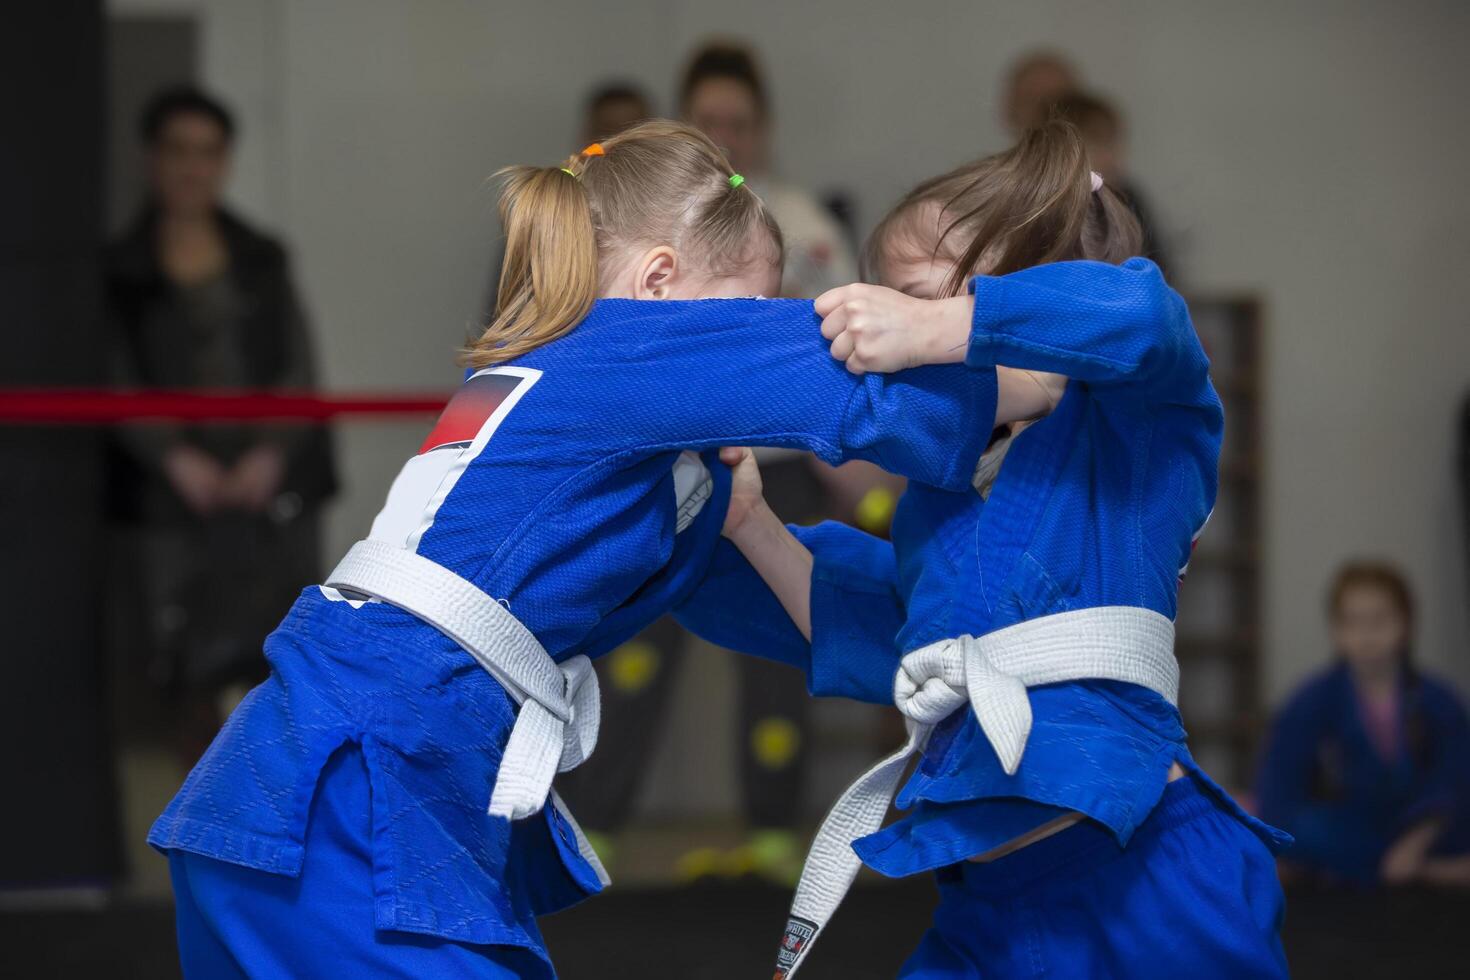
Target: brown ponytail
(1027, 206)
(658, 183)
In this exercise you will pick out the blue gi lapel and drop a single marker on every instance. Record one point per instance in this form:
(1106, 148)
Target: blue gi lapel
(1018, 498)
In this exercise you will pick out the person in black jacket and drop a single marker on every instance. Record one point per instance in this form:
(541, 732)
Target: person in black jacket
(228, 513)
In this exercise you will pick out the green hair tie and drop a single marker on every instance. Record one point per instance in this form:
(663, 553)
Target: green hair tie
(568, 172)
(736, 180)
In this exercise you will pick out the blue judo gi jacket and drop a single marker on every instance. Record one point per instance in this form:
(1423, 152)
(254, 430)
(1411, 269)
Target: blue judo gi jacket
(547, 483)
(1098, 504)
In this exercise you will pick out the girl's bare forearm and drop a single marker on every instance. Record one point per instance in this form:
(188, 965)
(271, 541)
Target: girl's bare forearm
(782, 561)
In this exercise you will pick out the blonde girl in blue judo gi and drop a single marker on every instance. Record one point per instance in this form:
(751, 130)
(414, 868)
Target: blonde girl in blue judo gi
(381, 805)
(1024, 626)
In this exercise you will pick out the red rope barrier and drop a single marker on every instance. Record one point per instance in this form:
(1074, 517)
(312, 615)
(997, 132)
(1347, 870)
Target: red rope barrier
(78, 406)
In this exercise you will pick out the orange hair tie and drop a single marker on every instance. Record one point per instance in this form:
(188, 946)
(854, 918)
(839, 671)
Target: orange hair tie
(594, 150)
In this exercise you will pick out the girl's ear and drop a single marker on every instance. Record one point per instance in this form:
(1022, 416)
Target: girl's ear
(657, 274)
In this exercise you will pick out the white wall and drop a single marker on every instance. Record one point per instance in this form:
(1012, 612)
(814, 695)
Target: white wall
(1313, 151)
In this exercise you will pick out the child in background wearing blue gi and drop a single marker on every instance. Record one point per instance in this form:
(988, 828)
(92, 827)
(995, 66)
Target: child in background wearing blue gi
(1368, 765)
(377, 807)
(1071, 832)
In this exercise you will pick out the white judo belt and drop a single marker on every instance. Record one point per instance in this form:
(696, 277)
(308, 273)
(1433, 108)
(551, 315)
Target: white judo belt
(991, 673)
(556, 728)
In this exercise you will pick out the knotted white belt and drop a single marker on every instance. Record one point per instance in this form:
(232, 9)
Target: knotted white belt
(992, 673)
(556, 728)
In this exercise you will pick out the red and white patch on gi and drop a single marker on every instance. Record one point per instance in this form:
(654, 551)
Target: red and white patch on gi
(460, 435)
(1194, 543)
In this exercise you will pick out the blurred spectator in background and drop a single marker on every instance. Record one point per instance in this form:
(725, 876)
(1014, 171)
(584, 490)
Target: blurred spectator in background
(637, 678)
(1102, 130)
(228, 513)
(1368, 765)
(724, 93)
(612, 108)
(1034, 84)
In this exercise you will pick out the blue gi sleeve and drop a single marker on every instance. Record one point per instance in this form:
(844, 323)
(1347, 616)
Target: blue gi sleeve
(855, 606)
(705, 373)
(734, 608)
(857, 611)
(1091, 321)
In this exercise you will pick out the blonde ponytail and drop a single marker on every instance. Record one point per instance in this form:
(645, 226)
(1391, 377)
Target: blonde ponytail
(549, 279)
(658, 183)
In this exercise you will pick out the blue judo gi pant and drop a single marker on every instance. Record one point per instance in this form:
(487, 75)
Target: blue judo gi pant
(1194, 894)
(237, 922)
